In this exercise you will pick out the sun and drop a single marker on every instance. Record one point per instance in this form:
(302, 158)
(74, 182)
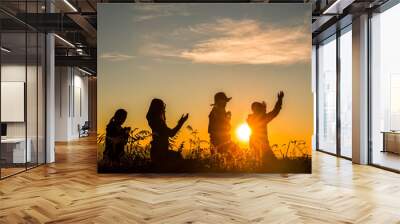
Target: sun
(243, 132)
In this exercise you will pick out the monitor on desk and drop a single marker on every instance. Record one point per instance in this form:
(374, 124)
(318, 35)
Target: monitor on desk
(3, 130)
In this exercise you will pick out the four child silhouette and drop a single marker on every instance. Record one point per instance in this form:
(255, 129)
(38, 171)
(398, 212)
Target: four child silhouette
(116, 137)
(219, 125)
(219, 129)
(258, 122)
(159, 152)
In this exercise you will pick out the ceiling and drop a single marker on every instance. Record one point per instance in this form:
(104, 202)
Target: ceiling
(75, 22)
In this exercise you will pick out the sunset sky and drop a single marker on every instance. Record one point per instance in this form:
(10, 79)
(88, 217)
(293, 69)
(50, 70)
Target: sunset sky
(185, 53)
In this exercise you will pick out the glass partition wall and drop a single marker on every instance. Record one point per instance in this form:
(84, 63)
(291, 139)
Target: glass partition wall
(22, 100)
(327, 95)
(345, 92)
(385, 89)
(334, 93)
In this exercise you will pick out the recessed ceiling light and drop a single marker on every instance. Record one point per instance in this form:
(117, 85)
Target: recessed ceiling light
(70, 5)
(84, 71)
(337, 7)
(5, 50)
(64, 40)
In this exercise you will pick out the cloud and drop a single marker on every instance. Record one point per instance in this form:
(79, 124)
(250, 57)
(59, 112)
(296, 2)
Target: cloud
(115, 56)
(247, 41)
(158, 49)
(150, 11)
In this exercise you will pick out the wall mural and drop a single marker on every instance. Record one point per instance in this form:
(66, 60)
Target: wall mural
(204, 88)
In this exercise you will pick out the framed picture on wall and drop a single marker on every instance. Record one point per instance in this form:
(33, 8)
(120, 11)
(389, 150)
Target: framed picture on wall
(204, 88)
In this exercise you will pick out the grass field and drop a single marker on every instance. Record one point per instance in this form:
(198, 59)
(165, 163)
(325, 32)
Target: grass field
(293, 157)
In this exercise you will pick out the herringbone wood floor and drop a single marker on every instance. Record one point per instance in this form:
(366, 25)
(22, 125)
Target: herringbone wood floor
(70, 191)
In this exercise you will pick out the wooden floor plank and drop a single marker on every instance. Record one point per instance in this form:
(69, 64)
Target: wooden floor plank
(70, 191)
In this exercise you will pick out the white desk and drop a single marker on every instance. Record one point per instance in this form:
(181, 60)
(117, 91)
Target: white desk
(18, 149)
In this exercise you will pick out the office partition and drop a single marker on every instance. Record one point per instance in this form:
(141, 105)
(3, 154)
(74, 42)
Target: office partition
(345, 92)
(334, 94)
(22, 78)
(327, 95)
(385, 88)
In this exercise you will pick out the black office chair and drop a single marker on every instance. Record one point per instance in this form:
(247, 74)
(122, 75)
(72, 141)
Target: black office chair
(84, 130)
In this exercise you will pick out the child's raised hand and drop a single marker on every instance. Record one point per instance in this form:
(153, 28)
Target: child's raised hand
(183, 118)
(281, 95)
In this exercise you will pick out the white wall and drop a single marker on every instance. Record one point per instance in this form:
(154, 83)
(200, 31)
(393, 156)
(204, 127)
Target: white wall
(33, 127)
(71, 102)
(11, 73)
(16, 73)
(62, 81)
(80, 110)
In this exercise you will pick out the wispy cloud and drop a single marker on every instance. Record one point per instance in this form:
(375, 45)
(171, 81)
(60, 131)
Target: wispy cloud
(245, 41)
(151, 11)
(115, 56)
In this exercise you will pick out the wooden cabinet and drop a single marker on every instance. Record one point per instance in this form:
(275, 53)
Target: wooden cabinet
(391, 142)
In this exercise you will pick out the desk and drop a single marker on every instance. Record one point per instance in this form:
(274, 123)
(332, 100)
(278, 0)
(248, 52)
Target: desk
(391, 141)
(15, 148)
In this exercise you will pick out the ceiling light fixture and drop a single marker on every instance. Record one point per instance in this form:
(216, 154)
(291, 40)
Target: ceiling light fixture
(65, 41)
(70, 5)
(337, 7)
(79, 51)
(84, 71)
(5, 50)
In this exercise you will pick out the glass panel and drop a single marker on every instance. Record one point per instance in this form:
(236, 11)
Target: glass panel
(327, 96)
(31, 98)
(13, 86)
(385, 86)
(346, 93)
(23, 90)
